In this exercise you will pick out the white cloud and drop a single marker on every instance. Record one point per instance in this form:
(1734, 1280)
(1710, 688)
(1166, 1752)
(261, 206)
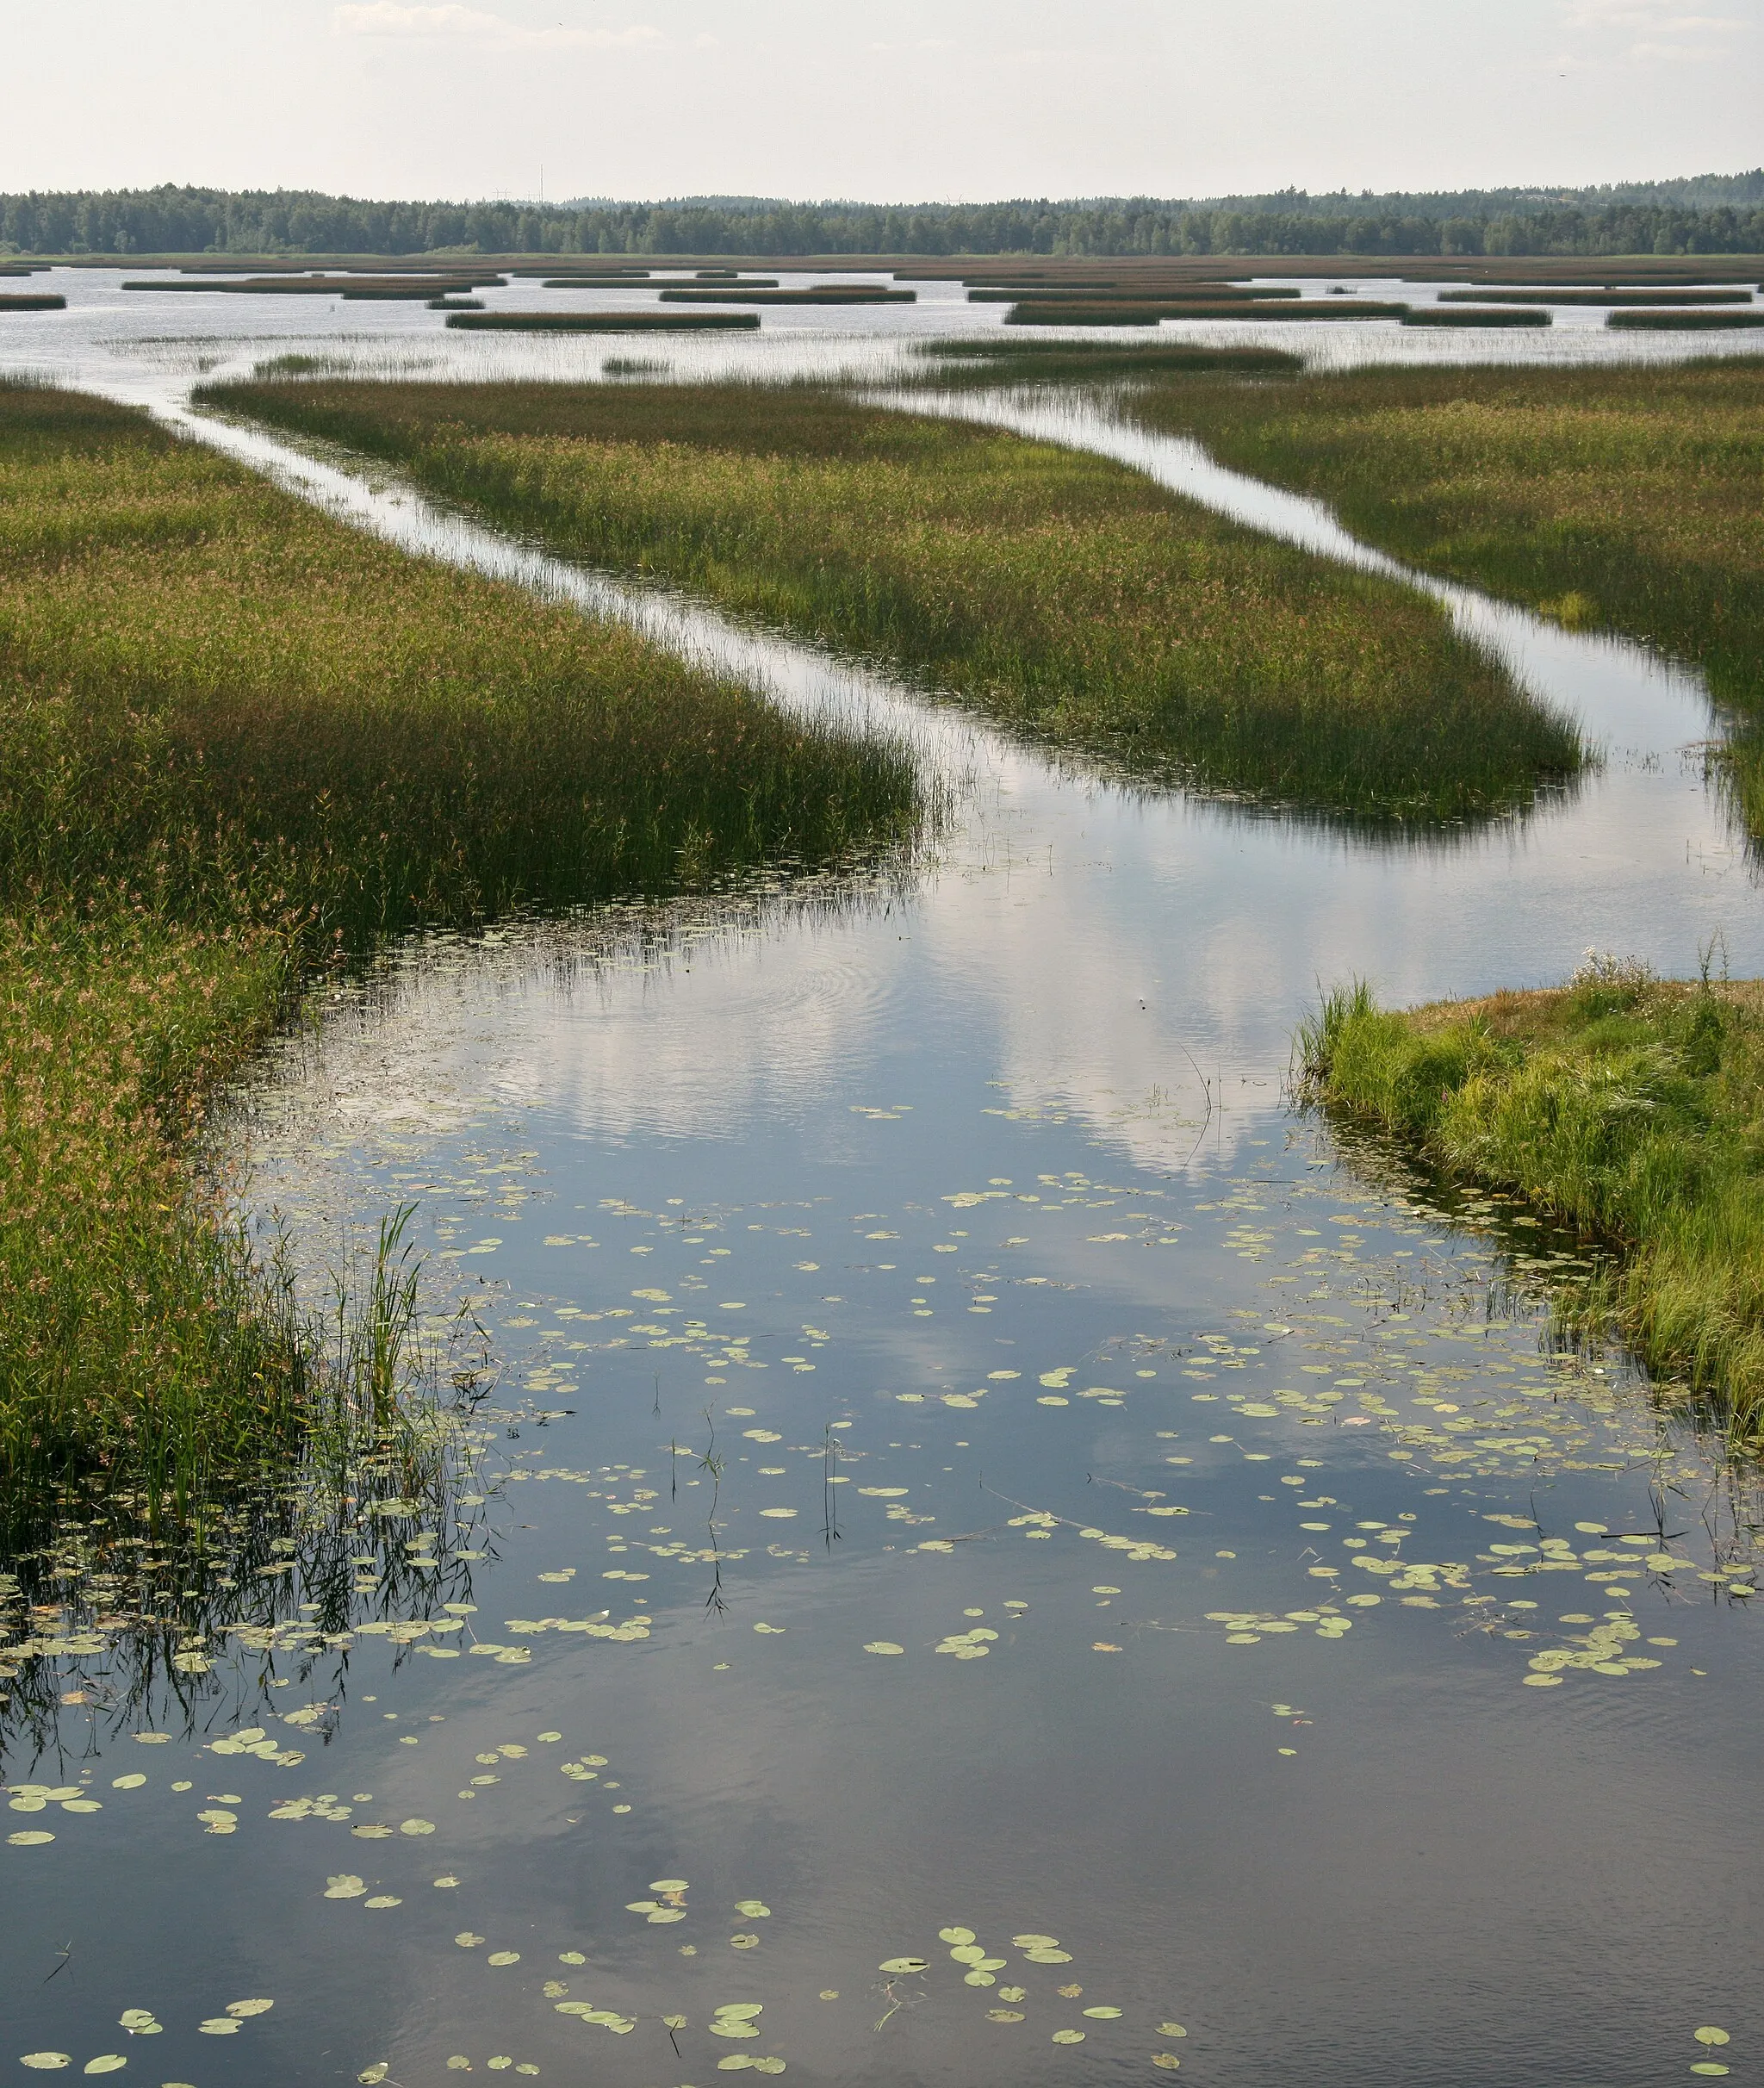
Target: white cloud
(392, 18)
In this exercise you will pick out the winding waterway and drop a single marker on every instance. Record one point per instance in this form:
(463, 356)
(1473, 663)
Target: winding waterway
(1024, 1481)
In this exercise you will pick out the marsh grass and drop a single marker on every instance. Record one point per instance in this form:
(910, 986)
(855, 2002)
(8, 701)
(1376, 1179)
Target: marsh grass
(1625, 1106)
(963, 359)
(1061, 592)
(817, 294)
(32, 301)
(1475, 315)
(1609, 295)
(1131, 313)
(241, 742)
(1622, 498)
(607, 322)
(1688, 321)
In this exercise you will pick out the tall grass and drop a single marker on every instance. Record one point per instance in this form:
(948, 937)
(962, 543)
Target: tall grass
(1625, 499)
(963, 359)
(1689, 321)
(240, 741)
(32, 301)
(608, 322)
(816, 294)
(1625, 1106)
(1475, 315)
(1607, 294)
(1130, 312)
(1060, 591)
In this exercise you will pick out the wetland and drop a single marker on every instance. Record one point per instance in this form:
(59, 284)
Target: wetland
(899, 1145)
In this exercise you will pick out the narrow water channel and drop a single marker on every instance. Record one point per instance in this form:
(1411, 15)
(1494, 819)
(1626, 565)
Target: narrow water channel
(1203, 1623)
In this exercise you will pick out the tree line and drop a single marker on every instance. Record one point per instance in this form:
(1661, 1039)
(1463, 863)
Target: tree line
(1660, 220)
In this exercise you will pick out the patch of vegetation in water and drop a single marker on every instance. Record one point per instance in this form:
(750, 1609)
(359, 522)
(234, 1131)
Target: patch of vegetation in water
(1062, 593)
(1625, 1106)
(241, 740)
(1624, 499)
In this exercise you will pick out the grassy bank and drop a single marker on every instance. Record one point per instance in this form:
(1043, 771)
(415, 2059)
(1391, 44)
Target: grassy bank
(1625, 1106)
(240, 741)
(1621, 498)
(1061, 592)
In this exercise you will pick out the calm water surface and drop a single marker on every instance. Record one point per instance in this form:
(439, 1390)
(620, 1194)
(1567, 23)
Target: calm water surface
(1043, 1512)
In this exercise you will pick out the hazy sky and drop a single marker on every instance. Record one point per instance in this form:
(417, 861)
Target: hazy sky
(898, 100)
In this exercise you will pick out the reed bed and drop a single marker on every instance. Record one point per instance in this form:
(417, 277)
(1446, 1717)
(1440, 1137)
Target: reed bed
(1133, 294)
(1130, 313)
(819, 294)
(1625, 1106)
(1476, 315)
(456, 304)
(433, 284)
(1608, 295)
(32, 301)
(1060, 592)
(963, 359)
(1625, 499)
(241, 740)
(1686, 321)
(607, 322)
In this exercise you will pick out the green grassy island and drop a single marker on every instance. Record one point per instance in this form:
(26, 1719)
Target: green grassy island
(1062, 593)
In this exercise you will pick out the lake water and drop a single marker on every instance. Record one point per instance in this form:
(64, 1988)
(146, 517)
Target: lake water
(1262, 1632)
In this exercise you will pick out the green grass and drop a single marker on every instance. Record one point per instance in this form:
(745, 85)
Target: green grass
(1061, 592)
(1631, 1110)
(1620, 499)
(240, 741)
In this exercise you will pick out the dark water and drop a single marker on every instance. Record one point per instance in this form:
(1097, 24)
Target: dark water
(878, 1264)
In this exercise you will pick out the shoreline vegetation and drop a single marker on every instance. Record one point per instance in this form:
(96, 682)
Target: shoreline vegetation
(1616, 499)
(242, 743)
(1626, 1108)
(1062, 593)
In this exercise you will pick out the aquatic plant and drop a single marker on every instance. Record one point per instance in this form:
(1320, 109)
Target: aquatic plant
(1625, 1106)
(1606, 294)
(606, 322)
(1687, 321)
(1130, 313)
(1474, 315)
(1062, 593)
(1618, 497)
(241, 742)
(32, 301)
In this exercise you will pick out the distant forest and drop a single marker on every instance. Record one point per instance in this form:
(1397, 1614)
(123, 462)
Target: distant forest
(1705, 213)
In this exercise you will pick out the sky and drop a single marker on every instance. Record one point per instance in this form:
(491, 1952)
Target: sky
(890, 101)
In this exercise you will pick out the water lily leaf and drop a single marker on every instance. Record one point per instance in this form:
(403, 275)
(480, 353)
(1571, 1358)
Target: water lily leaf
(1068, 2037)
(46, 2062)
(902, 1964)
(1710, 2035)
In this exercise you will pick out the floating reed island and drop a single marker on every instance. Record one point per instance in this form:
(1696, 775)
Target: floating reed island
(1687, 321)
(817, 294)
(1063, 594)
(430, 285)
(966, 359)
(1476, 315)
(1625, 1106)
(1603, 297)
(607, 322)
(1129, 313)
(242, 742)
(1187, 294)
(32, 301)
